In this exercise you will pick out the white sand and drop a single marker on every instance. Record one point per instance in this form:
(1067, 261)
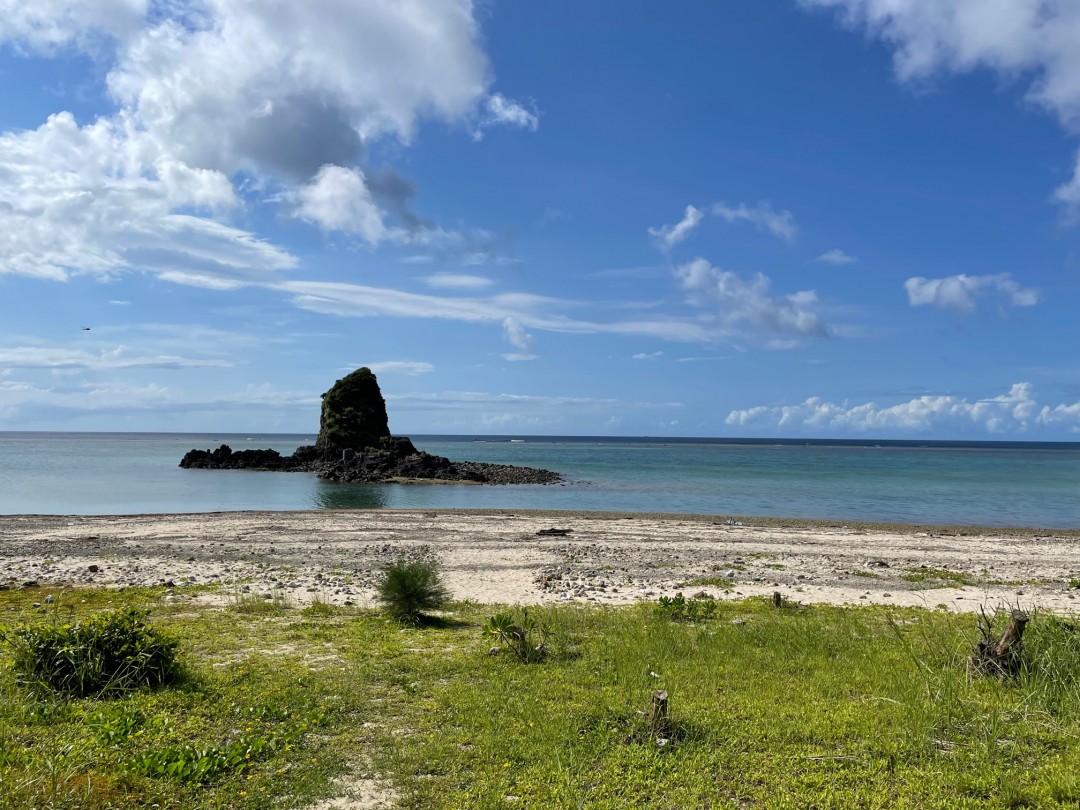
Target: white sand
(497, 557)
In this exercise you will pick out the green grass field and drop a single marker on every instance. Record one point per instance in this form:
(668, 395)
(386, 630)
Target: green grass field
(816, 707)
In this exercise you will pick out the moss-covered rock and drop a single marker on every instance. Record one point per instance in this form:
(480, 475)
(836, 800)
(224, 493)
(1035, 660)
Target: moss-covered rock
(353, 414)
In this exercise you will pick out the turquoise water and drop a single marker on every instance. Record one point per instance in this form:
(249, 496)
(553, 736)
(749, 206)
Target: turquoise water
(988, 484)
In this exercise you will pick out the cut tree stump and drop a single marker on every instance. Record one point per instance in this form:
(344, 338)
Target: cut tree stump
(1000, 656)
(657, 716)
(777, 599)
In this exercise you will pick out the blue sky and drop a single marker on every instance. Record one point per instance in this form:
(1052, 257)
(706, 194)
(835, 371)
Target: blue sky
(771, 218)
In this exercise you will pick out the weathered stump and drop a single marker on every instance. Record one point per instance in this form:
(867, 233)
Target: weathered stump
(777, 599)
(657, 716)
(1000, 656)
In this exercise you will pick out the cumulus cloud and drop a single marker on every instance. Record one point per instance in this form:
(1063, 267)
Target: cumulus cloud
(407, 367)
(667, 236)
(1014, 412)
(763, 216)
(837, 257)
(516, 335)
(283, 96)
(960, 292)
(88, 200)
(1034, 41)
(742, 303)
(338, 199)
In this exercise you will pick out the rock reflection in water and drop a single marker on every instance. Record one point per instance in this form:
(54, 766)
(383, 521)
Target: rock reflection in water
(356, 496)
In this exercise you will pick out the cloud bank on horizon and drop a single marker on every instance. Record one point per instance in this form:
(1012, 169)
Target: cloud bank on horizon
(240, 200)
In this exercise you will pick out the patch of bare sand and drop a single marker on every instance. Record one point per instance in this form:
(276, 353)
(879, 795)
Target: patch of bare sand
(360, 794)
(497, 557)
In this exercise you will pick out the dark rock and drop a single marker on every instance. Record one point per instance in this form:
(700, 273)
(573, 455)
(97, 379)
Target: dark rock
(355, 446)
(353, 414)
(93, 569)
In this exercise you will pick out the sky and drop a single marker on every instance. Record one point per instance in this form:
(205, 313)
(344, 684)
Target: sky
(798, 218)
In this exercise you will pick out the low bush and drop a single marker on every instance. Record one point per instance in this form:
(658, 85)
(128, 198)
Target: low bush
(107, 654)
(680, 609)
(524, 636)
(408, 589)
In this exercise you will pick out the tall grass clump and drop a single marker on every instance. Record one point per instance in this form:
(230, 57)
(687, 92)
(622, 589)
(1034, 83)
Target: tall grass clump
(106, 654)
(408, 589)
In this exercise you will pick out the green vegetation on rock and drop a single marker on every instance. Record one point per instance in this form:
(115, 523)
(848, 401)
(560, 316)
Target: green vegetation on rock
(353, 414)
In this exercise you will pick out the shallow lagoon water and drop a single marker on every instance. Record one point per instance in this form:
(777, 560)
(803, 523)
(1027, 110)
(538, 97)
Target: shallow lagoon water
(974, 484)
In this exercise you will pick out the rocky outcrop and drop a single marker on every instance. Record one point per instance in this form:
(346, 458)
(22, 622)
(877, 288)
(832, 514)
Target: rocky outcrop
(355, 446)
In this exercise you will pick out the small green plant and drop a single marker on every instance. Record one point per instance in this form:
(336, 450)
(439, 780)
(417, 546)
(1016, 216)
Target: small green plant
(107, 654)
(320, 608)
(938, 577)
(680, 609)
(713, 582)
(254, 605)
(408, 589)
(525, 637)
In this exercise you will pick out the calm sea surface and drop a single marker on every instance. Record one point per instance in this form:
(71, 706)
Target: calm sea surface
(996, 484)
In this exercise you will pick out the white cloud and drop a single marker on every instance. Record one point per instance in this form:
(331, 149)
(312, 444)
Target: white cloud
(514, 334)
(338, 199)
(748, 302)
(667, 236)
(837, 257)
(959, 292)
(117, 358)
(646, 355)
(290, 87)
(763, 216)
(455, 281)
(1034, 41)
(407, 367)
(89, 200)
(499, 110)
(1014, 412)
(288, 94)
(45, 25)
(531, 311)
(1068, 194)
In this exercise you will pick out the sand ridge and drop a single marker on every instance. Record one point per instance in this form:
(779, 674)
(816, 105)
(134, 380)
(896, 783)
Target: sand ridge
(495, 556)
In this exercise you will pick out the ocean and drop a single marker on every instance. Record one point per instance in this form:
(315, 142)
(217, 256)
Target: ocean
(966, 483)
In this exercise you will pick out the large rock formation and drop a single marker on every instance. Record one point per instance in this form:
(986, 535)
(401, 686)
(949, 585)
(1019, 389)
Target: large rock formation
(354, 445)
(353, 414)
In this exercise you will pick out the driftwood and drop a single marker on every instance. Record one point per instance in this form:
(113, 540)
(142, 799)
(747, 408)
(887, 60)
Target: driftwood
(999, 656)
(553, 532)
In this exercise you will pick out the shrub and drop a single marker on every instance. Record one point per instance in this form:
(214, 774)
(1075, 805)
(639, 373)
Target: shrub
(410, 588)
(109, 653)
(525, 638)
(680, 609)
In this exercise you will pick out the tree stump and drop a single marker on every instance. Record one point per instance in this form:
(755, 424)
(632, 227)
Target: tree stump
(657, 716)
(1000, 656)
(777, 599)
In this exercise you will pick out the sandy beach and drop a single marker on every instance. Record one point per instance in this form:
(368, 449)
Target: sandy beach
(498, 557)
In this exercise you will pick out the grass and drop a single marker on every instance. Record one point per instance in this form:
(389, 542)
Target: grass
(821, 707)
(714, 582)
